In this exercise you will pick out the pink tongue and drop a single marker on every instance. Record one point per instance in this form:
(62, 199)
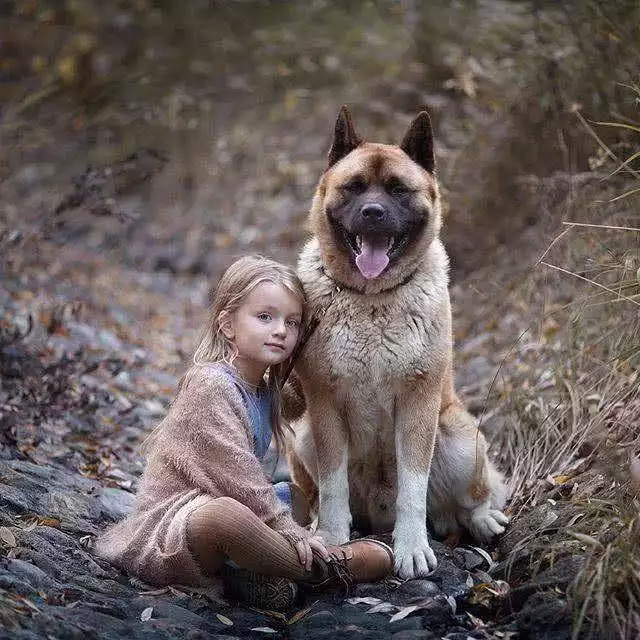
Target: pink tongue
(372, 259)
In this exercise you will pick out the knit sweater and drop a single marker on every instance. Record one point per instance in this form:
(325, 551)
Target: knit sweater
(202, 450)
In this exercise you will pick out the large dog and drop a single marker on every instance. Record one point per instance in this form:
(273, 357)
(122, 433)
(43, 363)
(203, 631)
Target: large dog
(384, 438)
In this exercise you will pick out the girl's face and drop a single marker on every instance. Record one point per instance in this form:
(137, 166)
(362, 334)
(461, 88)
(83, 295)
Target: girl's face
(264, 329)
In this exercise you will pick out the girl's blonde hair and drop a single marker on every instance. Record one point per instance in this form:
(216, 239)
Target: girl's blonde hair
(236, 283)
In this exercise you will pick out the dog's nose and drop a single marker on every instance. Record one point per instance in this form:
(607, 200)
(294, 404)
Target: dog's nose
(372, 210)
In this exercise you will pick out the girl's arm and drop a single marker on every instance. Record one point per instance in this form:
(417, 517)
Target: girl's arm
(214, 449)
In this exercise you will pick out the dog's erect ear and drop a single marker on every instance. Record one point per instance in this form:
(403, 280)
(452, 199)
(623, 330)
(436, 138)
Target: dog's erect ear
(345, 138)
(418, 142)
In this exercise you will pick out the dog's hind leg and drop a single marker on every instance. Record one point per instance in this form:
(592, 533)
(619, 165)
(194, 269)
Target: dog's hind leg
(464, 479)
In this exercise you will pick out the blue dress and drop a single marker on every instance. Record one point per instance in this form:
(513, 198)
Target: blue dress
(258, 406)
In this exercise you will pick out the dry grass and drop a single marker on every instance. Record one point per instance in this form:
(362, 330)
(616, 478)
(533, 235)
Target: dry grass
(575, 390)
(576, 440)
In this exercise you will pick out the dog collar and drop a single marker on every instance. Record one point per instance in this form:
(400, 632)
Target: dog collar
(339, 286)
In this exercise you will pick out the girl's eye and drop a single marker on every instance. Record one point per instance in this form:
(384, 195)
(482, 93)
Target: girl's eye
(265, 317)
(293, 323)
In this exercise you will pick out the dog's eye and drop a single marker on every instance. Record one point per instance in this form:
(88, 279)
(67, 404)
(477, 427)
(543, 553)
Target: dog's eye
(396, 187)
(355, 185)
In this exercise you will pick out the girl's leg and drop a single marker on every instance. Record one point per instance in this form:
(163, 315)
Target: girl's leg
(225, 528)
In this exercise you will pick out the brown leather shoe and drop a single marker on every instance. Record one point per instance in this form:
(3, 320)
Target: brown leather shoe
(363, 560)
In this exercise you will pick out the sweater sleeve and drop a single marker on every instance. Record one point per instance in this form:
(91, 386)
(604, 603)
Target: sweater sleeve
(214, 450)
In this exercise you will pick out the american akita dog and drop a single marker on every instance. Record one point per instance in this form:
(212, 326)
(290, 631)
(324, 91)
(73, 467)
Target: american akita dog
(385, 443)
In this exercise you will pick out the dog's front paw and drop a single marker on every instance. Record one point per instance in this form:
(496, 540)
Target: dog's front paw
(414, 555)
(486, 523)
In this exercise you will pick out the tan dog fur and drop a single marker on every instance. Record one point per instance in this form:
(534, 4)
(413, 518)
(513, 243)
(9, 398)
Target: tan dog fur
(385, 442)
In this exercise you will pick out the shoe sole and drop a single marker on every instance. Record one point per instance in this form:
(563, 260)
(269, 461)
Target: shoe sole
(258, 590)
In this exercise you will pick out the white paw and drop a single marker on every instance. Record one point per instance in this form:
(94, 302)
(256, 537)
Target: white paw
(414, 556)
(488, 523)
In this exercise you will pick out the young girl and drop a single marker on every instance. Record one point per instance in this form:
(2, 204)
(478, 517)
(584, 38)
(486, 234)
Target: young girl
(205, 504)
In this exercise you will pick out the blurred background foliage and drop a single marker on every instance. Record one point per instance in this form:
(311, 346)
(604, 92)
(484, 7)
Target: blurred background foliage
(242, 94)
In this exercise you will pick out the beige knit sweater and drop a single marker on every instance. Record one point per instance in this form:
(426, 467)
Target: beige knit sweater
(202, 450)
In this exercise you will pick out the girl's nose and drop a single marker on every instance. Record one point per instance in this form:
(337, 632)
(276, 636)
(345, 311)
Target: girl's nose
(280, 329)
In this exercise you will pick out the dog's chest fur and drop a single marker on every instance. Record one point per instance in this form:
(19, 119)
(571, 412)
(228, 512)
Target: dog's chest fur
(363, 354)
(375, 339)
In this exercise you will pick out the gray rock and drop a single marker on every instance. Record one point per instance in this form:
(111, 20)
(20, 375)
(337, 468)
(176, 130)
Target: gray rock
(559, 576)
(414, 590)
(100, 584)
(28, 572)
(451, 580)
(321, 619)
(163, 609)
(14, 584)
(43, 561)
(114, 503)
(410, 623)
(14, 500)
(468, 559)
(85, 615)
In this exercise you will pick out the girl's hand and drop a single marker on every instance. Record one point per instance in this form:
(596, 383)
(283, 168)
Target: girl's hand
(306, 549)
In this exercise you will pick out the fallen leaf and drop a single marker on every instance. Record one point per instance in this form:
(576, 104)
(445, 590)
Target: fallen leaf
(54, 523)
(368, 600)
(383, 607)
(499, 588)
(264, 629)
(585, 539)
(476, 622)
(146, 614)
(6, 535)
(224, 620)
(634, 464)
(403, 613)
(28, 603)
(155, 592)
(278, 615)
(298, 615)
(481, 552)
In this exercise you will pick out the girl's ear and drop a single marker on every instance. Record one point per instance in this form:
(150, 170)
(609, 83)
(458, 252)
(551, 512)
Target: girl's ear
(225, 322)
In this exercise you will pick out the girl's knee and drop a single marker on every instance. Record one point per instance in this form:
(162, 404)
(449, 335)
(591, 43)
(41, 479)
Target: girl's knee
(219, 518)
(212, 525)
(225, 504)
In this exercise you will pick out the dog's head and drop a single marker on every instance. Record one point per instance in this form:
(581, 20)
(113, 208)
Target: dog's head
(377, 206)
